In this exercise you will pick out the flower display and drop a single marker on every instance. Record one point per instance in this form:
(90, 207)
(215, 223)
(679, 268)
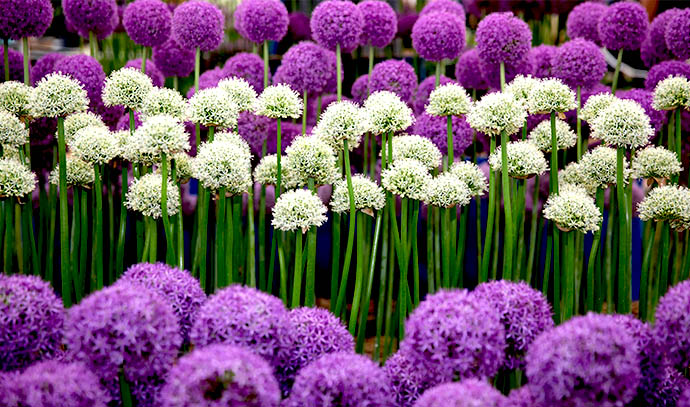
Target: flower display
(144, 196)
(408, 380)
(99, 17)
(496, 113)
(579, 62)
(449, 100)
(387, 113)
(656, 39)
(57, 95)
(667, 203)
(471, 175)
(394, 76)
(595, 105)
(278, 102)
(173, 59)
(447, 191)
(197, 24)
(552, 95)
(663, 70)
(223, 164)
(13, 132)
(78, 121)
(341, 121)
(15, 97)
(379, 23)
(305, 68)
(95, 145)
(502, 38)
(623, 124)
(623, 25)
(599, 165)
(644, 98)
(672, 93)
(163, 101)
(435, 128)
(580, 23)
(299, 209)
(247, 66)
(573, 209)
(670, 324)
(240, 91)
(407, 178)
(147, 22)
(337, 23)
(261, 20)
(676, 34)
(126, 87)
(541, 57)
(541, 135)
(309, 157)
(466, 71)
(656, 162)
(79, 173)
(438, 35)
(213, 107)
(368, 195)
(416, 148)
(525, 159)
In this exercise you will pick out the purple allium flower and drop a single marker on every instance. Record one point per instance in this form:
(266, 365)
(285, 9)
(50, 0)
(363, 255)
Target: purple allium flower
(455, 336)
(541, 57)
(438, 36)
(524, 312)
(97, 16)
(657, 118)
(677, 34)
(467, 393)
(502, 37)
(198, 24)
(16, 63)
(123, 122)
(408, 380)
(521, 397)
(405, 23)
(589, 360)
(424, 90)
(672, 327)
(24, 18)
(663, 70)
(669, 390)
(86, 70)
(173, 60)
(684, 399)
(248, 66)
(656, 40)
(623, 25)
(254, 130)
(262, 20)
(289, 131)
(44, 65)
(298, 29)
(579, 62)
(336, 22)
(305, 68)
(435, 128)
(444, 6)
(31, 321)
(220, 375)
(583, 20)
(380, 23)
(467, 71)
(147, 22)
(395, 76)
(342, 380)
(152, 71)
(208, 79)
(360, 89)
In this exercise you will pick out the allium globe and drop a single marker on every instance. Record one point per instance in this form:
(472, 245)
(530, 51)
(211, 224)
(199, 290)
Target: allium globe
(583, 20)
(466, 71)
(360, 88)
(677, 34)
(87, 71)
(305, 67)
(248, 66)
(262, 20)
(645, 98)
(152, 71)
(671, 325)
(172, 59)
(97, 16)
(503, 37)
(24, 18)
(408, 380)
(541, 57)
(421, 97)
(337, 22)
(656, 37)
(444, 6)
(380, 23)
(436, 129)
(663, 70)
(147, 22)
(579, 62)
(439, 35)
(44, 65)
(467, 393)
(623, 25)
(198, 24)
(395, 76)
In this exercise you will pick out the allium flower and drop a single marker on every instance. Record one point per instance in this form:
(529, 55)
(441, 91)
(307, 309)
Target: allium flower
(595, 105)
(551, 95)
(524, 312)
(127, 87)
(416, 148)
(541, 135)
(305, 67)
(173, 59)
(579, 62)
(144, 196)
(341, 379)
(78, 121)
(298, 29)
(496, 113)
(408, 380)
(684, 399)
(298, 210)
(623, 124)
(57, 95)
(623, 25)
(387, 113)
(16, 179)
(573, 209)
(503, 37)
(221, 375)
(152, 71)
(262, 20)
(656, 162)
(656, 40)
(470, 174)
(525, 160)
(25, 18)
(248, 66)
(164, 101)
(671, 321)
(279, 102)
(43, 66)
(198, 24)
(31, 320)
(407, 178)
(368, 195)
(266, 171)
(669, 203)
(645, 98)
(337, 22)
(88, 72)
(598, 167)
(421, 97)
(240, 91)
(97, 16)
(161, 134)
(677, 34)
(15, 97)
(95, 145)
(466, 71)
(444, 6)
(541, 57)
(213, 107)
(438, 35)
(467, 393)
(395, 76)
(379, 23)
(665, 69)
(360, 87)
(223, 164)
(309, 157)
(449, 100)
(254, 129)
(13, 132)
(79, 173)
(520, 397)
(342, 121)
(234, 137)
(147, 22)
(183, 165)
(581, 24)
(447, 191)
(521, 86)
(672, 93)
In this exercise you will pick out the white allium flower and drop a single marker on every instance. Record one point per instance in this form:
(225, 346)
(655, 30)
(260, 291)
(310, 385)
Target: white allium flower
(266, 171)
(406, 178)
(573, 209)
(183, 166)
(551, 95)
(58, 95)
(450, 99)
(127, 87)
(164, 101)
(144, 196)
(417, 148)
(213, 107)
(11, 152)
(161, 134)
(521, 86)
(573, 175)
(623, 124)
(368, 195)
(341, 121)
(599, 167)
(95, 145)
(387, 113)
(77, 121)
(525, 160)
(595, 105)
(240, 91)
(16, 179)
(497, 112)
(472, 175)
(669, 203)
(541, 135)
(222, 164)
(656, 162)
(278, 102)
(79, 172)
(298, 210)
(447, 191)
(132, 148)
(234, 137)
(13, 132)
(310, 157)
(15, 98)
(672, 93)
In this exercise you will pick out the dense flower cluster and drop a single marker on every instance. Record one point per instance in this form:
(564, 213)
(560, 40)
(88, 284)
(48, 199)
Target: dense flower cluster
(580, 23)
(599, 165)
(449, 100)
(310, 157)
(337, 23)
(670, 203)
(15, 98)
(387, 113)
(147, 22)
(656, 162)
(298, 210)
(379, 23)
(672, 93)
(261, 20)
(305, 67)
(435, 128)
(95, 145)
(573, 209)
(16, 179)
(407, 178)
(145, 196)
(525, 160)
(447, 191)
(13, 132)
(470, 173)
(671, 325)
(368, 195)
(623, 124)
(198, 24)
(79, 173)
(126, 87)
(416, 148)
(438, 35)
(579, 62)
(496, 113)
(623, 25)
(58, 95)
(342, 121)
(223, 164)
(550, 95)
(278, 102)
(394, 76)
(541, 135)
(467, 393)
(164, 101)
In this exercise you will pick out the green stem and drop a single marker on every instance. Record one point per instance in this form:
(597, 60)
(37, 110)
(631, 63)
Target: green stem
(450, 146)
(578, 126)
(297, 282)
(367, 292)
(237, 233)
(266, 67)
(251, 242)
(93, 45)
(27, 60)
(507, 207)
(304, 112)
(679, 145)
(608, 256)
(339, 80)
(663, 271)
(502, 72)
(645, 277)
(125, 392)
(569, 275)
(402, 292)
(616, 73)
(359, 275)
(437, 80)
(64, 228)
(350, 232)
(18, 244)
(75, 242)
(624, 291)
(445, 247)
(415, 253)
(203, 222)
(144, 55)
(229, 260)
(484, 275)
(6, 57)
(98, 231)
(310, 284)
(170, 252)
(222, 268)
(593, 255)
(83, 245)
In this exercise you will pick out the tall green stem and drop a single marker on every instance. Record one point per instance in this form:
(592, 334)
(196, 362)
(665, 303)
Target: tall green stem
(266, 67)
(144, 56)
(297, 281)
(484, 275)
(616, 73)
(580, 144)
(449, 140)
(98, 229)
(27, 60)
(338, 69)
(304, 112)
(593, 255)
(64, 221)
(6, 57)
(624, 290)
(170, 252)
(507, 207)
(310, 284)
(223, 270)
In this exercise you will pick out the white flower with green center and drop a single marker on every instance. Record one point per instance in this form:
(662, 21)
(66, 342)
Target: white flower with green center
(298, 210)
(521, 86)
(525, 160)
(234, 137)
(16, 179)
(309, 157)
(183, 167)
(144, 196)
(472, 175)
(77, 121)
(79, 173)
(127, 87)
(95, 145)
(161, 134)
(623, 124)
(551, 95)
(595, 105)
(278, 102)
(15, 98)
(164, 101)
(240, 91)
(266, 171)
(213, 108)
(368, 195)
(342, 121)
(406, 178)
(670, 203)
(672, 93)
(496, 113)
(387, 113)
(447, 191)
(541, 135)
(656, 162)
(13, 132)
(417, 148)
(599, 167)
(222, 164)
(573, 175)
(57, 95)
(573, 209)
(449, 100)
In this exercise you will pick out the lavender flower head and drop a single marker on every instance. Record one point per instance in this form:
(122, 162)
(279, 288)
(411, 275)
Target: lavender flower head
(444, 6)
(541, 57)
(677, 34)
(198, 24)
(672, 325)
(437, 36)
(305, 68)
(31, 321)
(623, 25)
(172, 59)
(360, 89)
(395, 76)
(337, 22)
(254, 130)
(87, 71)
(656, 37)
(589, 360)
(502, 37)
(24, 18)
(97, 16)
(408, 380)
(380, 23)
(147, 22)
(262, 20)
(16, 63)
(152, 71)
(248, 66)
(579, 62)
(466, 71)
(582, 21)
(435, 128)
(44, 65)
(684, 399)
(467, 393)
(663, 70)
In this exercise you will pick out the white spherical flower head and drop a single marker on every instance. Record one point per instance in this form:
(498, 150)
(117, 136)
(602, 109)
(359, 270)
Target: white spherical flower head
(222, 164)
(57, 95)
(266, 171)
(417, 148)
(595, 105)
(623, 124)
(15, 98)
(310, 157)
(472, 175)
(144, 196)
(298, 210)
(127, 87)
(387, 113)
(656, 163)
(240, 91)
(599, 166)
(95, 145)
(406, 178)
(449, 100)
(368, 195)
(447, 191)
(278, 102)
(525, 160)
(551, 95)
(13, 132)
(342, 121)
(164, 101)
(672, 93)
(496, 113)
(573, 209)
(16, 179)
(670, 203)
(183, 167)
(573, 175)
(77, 121)
(161, 134)
(79, 173)
(234, 137)
(213, 107)
(133, 148)
(541, 135)
(521, 86)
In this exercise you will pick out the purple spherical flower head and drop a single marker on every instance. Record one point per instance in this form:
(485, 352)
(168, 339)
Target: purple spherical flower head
(208, 79)
(288, 132)
(438, 36)
(198, 24)
(541, 57)
(657, 118)
(44, 65)
(341, 379)
(380, 23)
(248, 66)
(589, 360)
(444, 6)
(502, 37)
(262, 20)
(254, 130)
(663, 70)
(337, 22)
(16, 63)
(305, 68)
(31, 321)
(405, 23)
(173, 60)
(87, 71)
(579, 62)
(467, 393)
(583, 19)
(298, 28)
(623, 25)
(395, 76)
(524, 312)
(360, 89)
(221, 375)
(147, 22)
(656, 40)
(454, 335)
(684, 399)
(467, 71)
(435, 128)
(152, 71)
(408, 380)
(677, 34)
(97, 16)
(424, 90)
(24, 18)
(521, 397)
(672, 327)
